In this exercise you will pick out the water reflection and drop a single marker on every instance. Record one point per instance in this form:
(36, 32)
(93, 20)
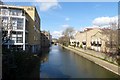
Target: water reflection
(61, 63)
(44, 54)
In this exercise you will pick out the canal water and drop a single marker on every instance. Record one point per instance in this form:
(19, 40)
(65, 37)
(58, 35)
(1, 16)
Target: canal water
(61, 63)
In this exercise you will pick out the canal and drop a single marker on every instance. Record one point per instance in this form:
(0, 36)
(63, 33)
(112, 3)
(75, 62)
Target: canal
(61, 63)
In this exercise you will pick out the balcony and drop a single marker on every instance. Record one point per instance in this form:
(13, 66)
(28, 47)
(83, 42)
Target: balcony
(13, 12)
(16, 12)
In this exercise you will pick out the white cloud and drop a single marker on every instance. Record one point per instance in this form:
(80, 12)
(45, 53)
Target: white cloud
(67, 19)
(65, 26)
(48, 4)
(56, 34)
(102, 21)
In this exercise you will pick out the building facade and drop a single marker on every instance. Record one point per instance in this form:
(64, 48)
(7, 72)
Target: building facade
(21, 27)
(104, 40)
(46, 39)
(74, 42)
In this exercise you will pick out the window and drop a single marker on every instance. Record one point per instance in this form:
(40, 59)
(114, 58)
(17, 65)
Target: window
(19, 23)
(13, 40)
(91, 43)
(16, 12)
(84, 42)
(17, 37)
(19, 40)
(4, 21)
(14, 23)
(4, 11)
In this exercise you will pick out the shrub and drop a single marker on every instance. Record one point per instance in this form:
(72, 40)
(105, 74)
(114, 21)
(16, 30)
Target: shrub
(81, 46)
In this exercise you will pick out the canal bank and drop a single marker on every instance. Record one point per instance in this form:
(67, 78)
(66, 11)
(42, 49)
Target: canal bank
(105, 64)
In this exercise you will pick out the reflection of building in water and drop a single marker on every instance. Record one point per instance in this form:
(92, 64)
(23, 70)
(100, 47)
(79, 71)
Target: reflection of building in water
(45, 54)
(21, 27)
(44, 59)
(45, 39)
(104, 40)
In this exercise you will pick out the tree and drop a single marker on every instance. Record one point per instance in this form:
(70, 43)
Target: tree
(112, 43)
(64, 40)
(68, 32)
(111, 33)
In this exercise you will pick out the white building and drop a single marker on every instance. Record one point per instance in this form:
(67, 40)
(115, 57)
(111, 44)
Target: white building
(13, 23)
(20, 27)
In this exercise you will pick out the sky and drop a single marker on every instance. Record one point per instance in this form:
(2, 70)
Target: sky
(56, 16)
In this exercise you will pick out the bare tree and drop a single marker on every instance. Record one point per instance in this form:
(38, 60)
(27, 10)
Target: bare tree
(112, 42)
(64, 40)
(111, 33)
(68, 32)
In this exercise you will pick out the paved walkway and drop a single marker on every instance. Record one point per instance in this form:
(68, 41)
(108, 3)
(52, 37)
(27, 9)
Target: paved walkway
(95, 54)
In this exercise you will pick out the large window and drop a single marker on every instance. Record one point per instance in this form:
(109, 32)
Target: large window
(19, 40)
(17, 23)
(17, 37)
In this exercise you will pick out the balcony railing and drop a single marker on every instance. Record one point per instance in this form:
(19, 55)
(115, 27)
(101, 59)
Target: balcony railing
(11, 12)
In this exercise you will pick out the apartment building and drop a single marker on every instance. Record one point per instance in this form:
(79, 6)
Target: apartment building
(46, 39)
(104, 40)
(20, 27)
